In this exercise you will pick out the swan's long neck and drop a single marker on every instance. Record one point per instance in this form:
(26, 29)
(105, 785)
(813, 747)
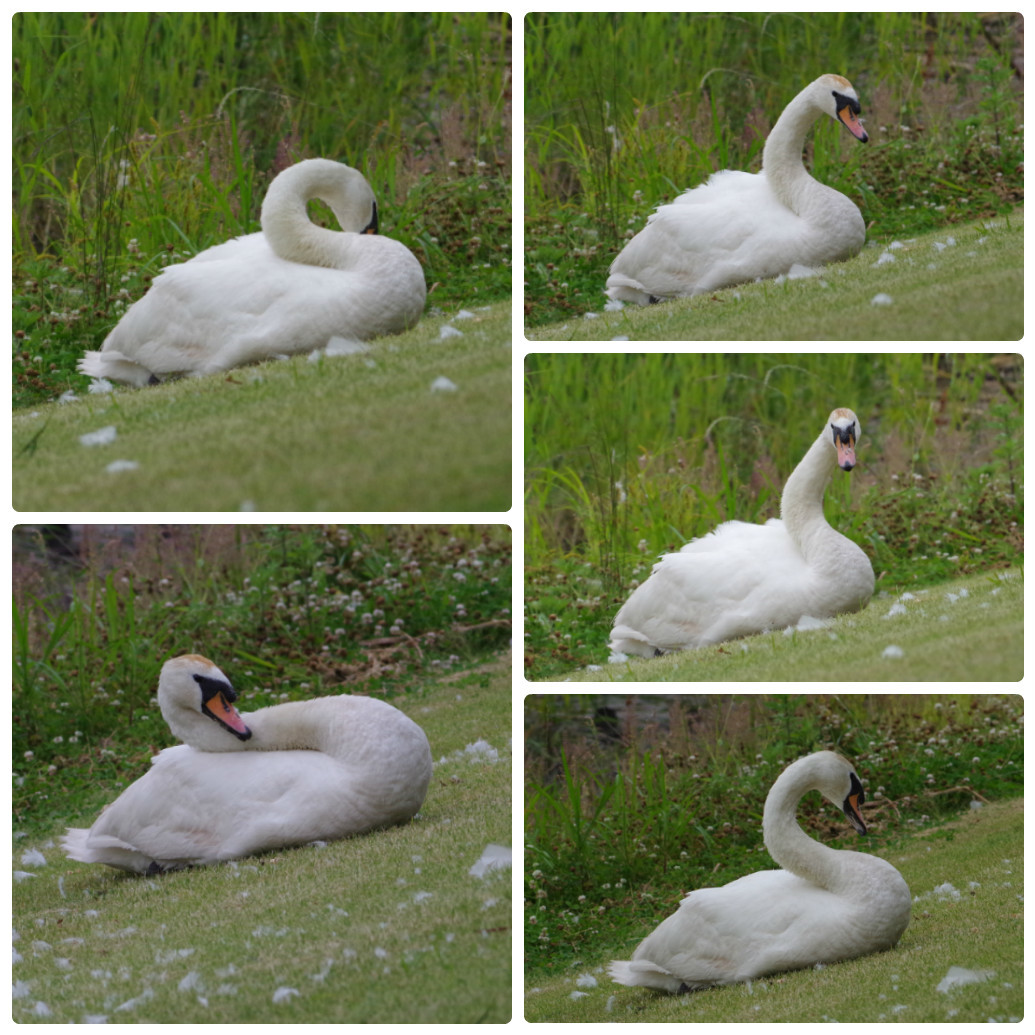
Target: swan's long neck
(781, 157)
(285, 218)
(295, 726)
(786, 842)
(801, 505)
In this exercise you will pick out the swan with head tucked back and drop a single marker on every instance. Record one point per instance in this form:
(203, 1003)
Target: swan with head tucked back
(822, 907)
(311, 770)
(286, 290)
(741, 226)
(743, 579)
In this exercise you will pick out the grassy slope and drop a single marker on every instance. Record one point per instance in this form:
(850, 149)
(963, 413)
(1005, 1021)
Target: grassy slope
(983, 930)
(971, 291)
(346, 911)
(339, 434)
(943, 636)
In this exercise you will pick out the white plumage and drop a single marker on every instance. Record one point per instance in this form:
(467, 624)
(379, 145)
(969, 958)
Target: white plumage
(242, 784)
(822, 907)
(286, 290)
(743, 579)
(741, 226)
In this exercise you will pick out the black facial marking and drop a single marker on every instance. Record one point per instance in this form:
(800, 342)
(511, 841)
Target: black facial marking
(846, 435)
(371, 227)
(213, 687)
(846, 102)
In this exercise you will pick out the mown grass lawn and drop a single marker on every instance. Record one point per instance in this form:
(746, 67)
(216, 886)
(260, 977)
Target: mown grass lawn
(967, 882)
(967, 629)
(960, 283)
(390, 927)
(420, 422)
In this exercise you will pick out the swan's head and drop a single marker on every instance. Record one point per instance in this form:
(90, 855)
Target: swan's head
(835, 778)
(837, 97)
(843, 432)
(197, 702)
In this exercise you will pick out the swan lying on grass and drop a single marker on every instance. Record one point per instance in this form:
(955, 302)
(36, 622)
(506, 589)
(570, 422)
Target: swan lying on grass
(743, 578)
(311, 770)
(742, 226)
(822, 907)
(289, 289)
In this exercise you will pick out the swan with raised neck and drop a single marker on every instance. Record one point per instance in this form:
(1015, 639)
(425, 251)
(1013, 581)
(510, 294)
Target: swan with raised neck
(824, 906)
(742, 578)
(738, 226)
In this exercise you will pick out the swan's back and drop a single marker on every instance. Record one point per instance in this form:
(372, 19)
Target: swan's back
(240, 302)
(370, 767)
(281, 292)
(773, 921)
(739, 580)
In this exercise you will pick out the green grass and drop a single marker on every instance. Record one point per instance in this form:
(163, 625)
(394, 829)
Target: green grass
(980, 854)
(355, 433)
(971, 290)
(965, 629)
(347, 925)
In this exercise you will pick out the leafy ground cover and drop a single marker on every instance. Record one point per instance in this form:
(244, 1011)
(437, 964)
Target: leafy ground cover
(292, 610)
(630, 802)
(631, 456)
(141, 139)
(420, 422)
(624, 111)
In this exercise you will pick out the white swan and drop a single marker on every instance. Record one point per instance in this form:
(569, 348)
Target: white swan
(822, 907)
(742, 226)
(742, 579)
(242, 784)
(286, 290)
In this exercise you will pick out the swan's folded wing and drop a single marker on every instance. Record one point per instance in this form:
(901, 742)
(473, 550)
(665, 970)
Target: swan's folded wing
(730, 230)
(760, 924)
(735, 581)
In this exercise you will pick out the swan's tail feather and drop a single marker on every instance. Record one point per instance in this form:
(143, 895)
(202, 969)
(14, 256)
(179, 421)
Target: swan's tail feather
(645, 974)
(114, 366)
(85, 846)
(74, 844)
(627, 640)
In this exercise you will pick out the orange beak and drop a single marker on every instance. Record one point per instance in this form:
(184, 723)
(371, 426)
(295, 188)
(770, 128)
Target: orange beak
(846, 453)
(220, 709)
(852, 123)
